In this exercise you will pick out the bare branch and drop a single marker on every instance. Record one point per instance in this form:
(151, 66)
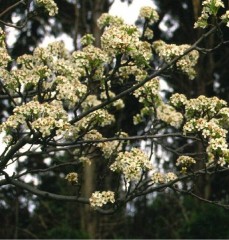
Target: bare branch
(11, 7)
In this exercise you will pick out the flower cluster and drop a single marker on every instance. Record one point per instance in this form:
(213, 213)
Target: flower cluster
(85, 160)
(94, 55)
(218, 147)
(158, 177)
(41, 117)
(185, 162)
(72, 177)
(209, 117)
(109, 148)
(98, 199)
(208, 129)
(178, 100)
(170, 51)
(126, 71)
(87, 39)
(2, 38)
(120, 39)
(144, 112)
(148, 34)
(149, 91)
(91, 60)
(210, 8)
(53, 69)
(124, 39)
(131, 164)
(100, 117)
(4, 57)
(169, 115)
(149, 14)
(149, 96)
(106, 20)
(170, 176)
(203, 107)
(223, 115)
(225, 18)
(161, 178)
(69, 91)
(49, 5)
(93, 135)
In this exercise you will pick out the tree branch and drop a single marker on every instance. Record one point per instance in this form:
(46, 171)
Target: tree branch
(153, 75)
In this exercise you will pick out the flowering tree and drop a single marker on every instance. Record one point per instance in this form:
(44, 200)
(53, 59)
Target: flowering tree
(64, 102)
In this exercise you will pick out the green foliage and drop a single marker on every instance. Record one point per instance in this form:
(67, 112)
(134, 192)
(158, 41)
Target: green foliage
(172, 217)
(205, 221)
(66, 232)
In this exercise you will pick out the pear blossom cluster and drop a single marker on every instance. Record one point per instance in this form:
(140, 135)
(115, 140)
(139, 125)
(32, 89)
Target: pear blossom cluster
(210, 8)
(72, 177)
(133, 70)
(203, 106)
(185, 162)
(144, 113)
(209, 118)
(170, 51)
(149, 96)
(93, 135)
(170, 176)
(87, 39)
(148, 34)
(178, 100)
(225, 18)
(4, 56)
(131, 164)
(49, 5)
(108, 148)
(106, 20)
(124, 39)
(93, 56)
(100, 117)
(85, 160)
(161, 178)
(149, 91)
(149, 13)
(69, 91)
(111, 148)
(158, 177)
(50, 71)
(168, 114)
(208, 129)
(98, 199)
(41, 117)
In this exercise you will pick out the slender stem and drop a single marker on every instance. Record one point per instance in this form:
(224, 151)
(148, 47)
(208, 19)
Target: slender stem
(11, 7)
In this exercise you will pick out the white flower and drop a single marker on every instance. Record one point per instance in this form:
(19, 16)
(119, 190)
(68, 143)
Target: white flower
(131, 164)
(169, 115)
(49, 5)
(72, 177)
(98, 199)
